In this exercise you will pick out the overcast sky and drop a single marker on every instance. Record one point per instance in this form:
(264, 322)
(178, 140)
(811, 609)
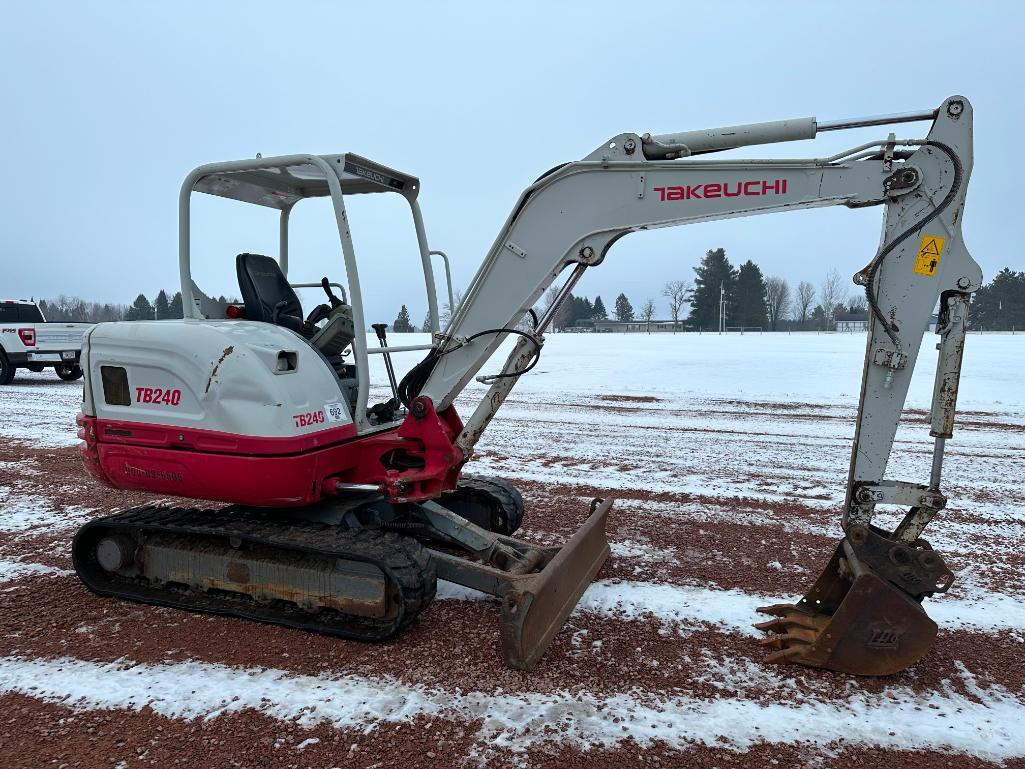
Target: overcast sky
(107, 106)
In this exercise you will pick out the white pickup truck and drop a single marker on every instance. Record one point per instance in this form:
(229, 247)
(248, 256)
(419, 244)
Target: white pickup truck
(28, 341)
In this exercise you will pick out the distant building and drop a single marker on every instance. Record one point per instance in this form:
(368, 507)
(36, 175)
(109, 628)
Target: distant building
(858, 321)
(851, 321)
(624, 326)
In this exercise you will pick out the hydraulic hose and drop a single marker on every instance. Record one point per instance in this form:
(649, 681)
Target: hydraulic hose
(415, 379)
(873, 267)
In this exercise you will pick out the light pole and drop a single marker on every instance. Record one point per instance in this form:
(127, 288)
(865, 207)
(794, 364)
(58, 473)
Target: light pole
(722, 307)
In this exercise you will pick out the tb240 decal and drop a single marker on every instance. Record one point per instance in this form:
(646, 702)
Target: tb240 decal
(158, 395)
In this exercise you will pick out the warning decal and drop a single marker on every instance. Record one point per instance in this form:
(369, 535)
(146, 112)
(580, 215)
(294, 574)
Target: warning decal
(929, 251)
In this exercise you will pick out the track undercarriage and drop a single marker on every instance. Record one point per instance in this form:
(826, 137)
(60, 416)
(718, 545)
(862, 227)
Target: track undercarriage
(358, 568)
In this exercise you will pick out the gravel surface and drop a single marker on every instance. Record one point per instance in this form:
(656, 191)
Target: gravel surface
(615, 664)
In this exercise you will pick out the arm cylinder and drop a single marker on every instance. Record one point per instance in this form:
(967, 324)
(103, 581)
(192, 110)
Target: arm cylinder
(663, 146)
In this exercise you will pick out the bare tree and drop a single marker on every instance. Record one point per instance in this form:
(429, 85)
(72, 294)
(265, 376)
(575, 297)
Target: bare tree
(546, 302)
(647, 313)
(857, 302)
(831, 294)
(804, 301)
(447, 310)
(777, 297)
(676, 291)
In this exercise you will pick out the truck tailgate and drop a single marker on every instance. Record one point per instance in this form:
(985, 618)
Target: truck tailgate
(59, 336)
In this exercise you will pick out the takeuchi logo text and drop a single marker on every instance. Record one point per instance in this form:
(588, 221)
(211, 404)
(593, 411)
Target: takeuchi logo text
(741, 189)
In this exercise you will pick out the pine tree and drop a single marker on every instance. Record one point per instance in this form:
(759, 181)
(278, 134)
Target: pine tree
(566, 313)
(426, 327)
(161, 305)
(715, 270)
(624, 310)
(599, 312)
(749, 297)
(176, 310)
(141, 309)
(1000, 304)
(402, 324)
(586, 309)
(573, 309)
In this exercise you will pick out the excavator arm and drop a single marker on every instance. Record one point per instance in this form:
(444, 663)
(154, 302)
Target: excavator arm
(870, 594)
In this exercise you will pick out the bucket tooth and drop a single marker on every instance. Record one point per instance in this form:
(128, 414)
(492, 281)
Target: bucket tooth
(863, 615)
(783, 621)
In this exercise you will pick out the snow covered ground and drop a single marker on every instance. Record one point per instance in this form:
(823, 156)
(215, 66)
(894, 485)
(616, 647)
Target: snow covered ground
(728, 456)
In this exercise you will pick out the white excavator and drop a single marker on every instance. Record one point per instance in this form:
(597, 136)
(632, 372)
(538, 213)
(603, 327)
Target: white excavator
(341, 515)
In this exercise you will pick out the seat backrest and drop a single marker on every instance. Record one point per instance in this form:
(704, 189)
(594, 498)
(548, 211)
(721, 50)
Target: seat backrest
(263, 288)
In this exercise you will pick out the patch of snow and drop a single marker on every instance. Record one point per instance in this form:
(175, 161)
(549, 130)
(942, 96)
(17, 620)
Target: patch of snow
(10, 570)
(22, 512)
(984, 725)
(735, 610)
(629, 548)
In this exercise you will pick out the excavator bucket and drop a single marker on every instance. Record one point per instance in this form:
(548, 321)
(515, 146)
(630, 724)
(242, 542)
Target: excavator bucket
(864, 614)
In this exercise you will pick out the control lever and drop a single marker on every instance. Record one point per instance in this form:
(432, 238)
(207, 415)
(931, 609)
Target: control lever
(335, 301)
(381, 329)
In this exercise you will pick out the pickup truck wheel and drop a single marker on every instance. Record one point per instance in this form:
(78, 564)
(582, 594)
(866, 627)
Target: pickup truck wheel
(7, 370)
(35, 368)
(68, 373)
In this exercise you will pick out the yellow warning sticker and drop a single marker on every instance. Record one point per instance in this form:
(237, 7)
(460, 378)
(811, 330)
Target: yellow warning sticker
(929, 251)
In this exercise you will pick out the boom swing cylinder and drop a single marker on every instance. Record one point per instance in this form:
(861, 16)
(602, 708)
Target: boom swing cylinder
(395, 467)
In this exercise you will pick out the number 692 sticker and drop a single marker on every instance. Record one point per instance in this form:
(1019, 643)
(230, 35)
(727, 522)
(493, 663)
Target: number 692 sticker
(336, 412)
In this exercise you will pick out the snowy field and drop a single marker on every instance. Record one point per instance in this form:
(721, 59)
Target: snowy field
(727, 456)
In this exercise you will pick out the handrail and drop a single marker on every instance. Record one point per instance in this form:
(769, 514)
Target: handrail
(448, 279)
(404, 348)
(339, 286)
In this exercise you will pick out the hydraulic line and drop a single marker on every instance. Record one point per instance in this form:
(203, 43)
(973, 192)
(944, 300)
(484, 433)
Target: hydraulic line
(870, 271)
(415, 379)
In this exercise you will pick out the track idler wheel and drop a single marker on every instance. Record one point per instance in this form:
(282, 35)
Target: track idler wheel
(864, 613)
(492, 503)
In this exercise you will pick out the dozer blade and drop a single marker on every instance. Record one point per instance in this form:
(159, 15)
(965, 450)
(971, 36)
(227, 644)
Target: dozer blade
(535, 603)
(535, 606)
(863, 615)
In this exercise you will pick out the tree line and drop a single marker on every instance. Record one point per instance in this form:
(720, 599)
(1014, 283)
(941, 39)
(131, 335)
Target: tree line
(73, 309)
(751, 301)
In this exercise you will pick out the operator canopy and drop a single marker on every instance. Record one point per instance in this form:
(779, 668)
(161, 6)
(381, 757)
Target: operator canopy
(280, 182)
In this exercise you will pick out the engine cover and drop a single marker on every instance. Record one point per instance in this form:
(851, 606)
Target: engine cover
(230, 410)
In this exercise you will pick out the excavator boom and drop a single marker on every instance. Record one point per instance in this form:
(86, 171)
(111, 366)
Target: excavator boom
(870, 593)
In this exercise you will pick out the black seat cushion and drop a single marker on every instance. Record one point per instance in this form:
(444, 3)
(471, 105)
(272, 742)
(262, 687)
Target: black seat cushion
(267, 295)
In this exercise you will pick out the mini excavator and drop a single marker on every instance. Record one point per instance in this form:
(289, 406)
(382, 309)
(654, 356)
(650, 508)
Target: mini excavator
(341, 515)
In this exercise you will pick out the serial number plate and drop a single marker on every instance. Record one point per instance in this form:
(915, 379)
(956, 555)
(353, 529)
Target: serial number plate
(335, 412)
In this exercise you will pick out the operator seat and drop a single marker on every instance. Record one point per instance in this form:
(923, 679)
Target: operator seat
(268, 298)
(267, 295)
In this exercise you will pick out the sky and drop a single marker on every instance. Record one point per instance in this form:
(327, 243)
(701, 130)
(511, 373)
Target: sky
(107, 106)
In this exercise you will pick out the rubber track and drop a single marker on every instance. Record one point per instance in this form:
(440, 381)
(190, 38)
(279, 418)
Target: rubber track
(402, 559)
(507, 495)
